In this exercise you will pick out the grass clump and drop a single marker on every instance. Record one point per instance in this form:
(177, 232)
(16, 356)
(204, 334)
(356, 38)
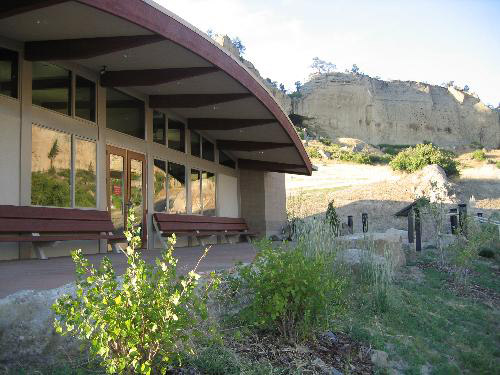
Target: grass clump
(479, 155)
(415, 158)
(313, 152)
(392, 150)
(293, 293)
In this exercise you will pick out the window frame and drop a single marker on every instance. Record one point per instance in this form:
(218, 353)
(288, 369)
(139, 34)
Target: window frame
(200, 172)
(144, 111)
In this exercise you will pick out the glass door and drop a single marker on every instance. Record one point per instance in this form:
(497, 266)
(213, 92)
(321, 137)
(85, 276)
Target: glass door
(126, 180)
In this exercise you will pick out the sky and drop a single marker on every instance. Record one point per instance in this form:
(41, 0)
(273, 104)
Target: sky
(431, 41)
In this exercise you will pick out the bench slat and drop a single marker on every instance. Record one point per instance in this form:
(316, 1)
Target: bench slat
(54, 213)
(26, 225)
(161, 217)
(177, 226)
(51, 238)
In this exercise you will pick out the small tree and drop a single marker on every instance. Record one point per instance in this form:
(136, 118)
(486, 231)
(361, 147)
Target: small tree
(466, 88)
(332, 218)
(298, 85)
(238, 44)
(322, 66)
(354, 69)
(140, 324)
(52, 155)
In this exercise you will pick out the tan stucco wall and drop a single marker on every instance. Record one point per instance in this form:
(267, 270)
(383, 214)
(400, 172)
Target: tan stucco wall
(227, 194)
(263, 201)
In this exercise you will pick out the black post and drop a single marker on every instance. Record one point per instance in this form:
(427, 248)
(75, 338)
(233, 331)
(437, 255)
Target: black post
(479, 214)
(364, 220)
(462, 218)
(350, 224)
(453, 220)
(411, 228)
(418, 230)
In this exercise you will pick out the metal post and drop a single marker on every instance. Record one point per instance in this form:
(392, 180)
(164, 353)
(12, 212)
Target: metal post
(350, 224)
(411, 228)
(453, 220)
(364, 220)
(462, 218)
(418, 230)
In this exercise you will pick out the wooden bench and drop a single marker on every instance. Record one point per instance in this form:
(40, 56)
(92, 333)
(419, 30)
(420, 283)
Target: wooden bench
(46, 226)
(199, 227)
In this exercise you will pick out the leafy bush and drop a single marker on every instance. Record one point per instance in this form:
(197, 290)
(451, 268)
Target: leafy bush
(139, 324)
(392, 149)
(415, 158)
(292, 293)
(479, 155)
(313, 152)
(332, 218)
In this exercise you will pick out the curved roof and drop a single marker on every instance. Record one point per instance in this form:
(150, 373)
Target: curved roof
(226, 102)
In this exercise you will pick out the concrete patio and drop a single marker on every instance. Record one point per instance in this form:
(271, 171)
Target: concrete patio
(52, 273)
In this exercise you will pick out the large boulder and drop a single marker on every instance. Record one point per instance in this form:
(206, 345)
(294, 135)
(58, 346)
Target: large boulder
(389, 244)
(26, 327)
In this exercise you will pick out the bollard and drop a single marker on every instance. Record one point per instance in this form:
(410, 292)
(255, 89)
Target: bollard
(462, 218)
(411, 228)
(364, 220)
(418, 230)
(350, 224)
(453, 220)
(479, 214)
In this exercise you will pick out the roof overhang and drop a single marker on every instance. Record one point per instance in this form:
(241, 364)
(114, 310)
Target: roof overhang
(154, 52)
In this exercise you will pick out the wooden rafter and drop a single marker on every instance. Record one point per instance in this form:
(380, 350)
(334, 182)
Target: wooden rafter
(225, 123)
(192, 100)
(150, 77)
(84, 48)
(249, 145)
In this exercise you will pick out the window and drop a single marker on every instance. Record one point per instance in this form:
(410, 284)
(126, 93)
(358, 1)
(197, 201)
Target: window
(208, 193)
(203, 193)
(176, 136)
(208, 150)
(51, 87)
(85, 99)
(226, 160)
(53, 169)
(160, 188)
(8, 72)
(195, 144)
(85, 173)
(176, 188)
(125, 113)
(195, 192)
(159, 127)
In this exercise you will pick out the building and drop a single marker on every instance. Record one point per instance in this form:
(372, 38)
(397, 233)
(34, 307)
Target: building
(106, 103)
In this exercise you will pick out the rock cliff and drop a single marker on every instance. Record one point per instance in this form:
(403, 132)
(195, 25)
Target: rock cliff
(357, 106)
(396, 112)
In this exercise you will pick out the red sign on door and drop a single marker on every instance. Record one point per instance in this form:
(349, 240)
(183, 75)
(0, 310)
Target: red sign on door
(117, 190)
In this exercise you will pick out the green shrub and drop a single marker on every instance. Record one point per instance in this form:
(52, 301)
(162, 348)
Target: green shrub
(479, 155)
(140, 324)
(332, 218)
(392, 149)
(498, 164)
(313, 152)
(292, 293)
(415, 158)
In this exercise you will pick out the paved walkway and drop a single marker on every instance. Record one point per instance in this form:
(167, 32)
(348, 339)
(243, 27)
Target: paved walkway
(37, 274)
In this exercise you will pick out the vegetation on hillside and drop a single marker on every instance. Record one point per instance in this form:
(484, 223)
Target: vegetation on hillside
(415, 158)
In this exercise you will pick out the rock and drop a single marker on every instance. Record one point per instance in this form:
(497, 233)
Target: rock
(432, 182)
(26, 327)
(389, 244)
(379, 358)
(394, 112)
(336, 372)
(355, 257)
(330, 338)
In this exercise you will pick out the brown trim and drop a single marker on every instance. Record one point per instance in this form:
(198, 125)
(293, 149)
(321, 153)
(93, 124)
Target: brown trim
(151, 77)
(164, 217)
(84, 48)
(270, 166)
(192, 100)
(9, 8)
(53, 213)
(145, 15)
(226, 123)
(223, 144)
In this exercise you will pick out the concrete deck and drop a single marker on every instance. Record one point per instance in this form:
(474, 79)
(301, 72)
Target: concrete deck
(37, 274)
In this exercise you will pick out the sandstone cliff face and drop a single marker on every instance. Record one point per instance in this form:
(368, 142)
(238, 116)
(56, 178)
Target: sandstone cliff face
(380, 112)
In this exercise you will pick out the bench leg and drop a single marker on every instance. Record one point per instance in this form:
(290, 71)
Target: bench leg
(116, 248)
(39, 251)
